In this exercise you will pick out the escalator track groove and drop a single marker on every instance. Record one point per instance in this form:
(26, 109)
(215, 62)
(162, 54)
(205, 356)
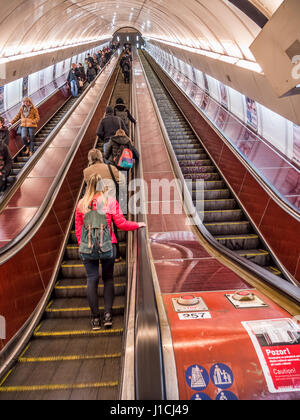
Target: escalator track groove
(65, 359)
(219, 210)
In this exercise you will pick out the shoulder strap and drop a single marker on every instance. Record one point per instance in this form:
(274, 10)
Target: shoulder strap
(112, 175)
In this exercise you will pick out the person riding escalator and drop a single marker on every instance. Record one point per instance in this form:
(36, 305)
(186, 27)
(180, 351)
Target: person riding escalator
(97, 243)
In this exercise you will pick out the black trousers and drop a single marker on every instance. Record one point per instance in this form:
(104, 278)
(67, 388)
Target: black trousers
(92, 268)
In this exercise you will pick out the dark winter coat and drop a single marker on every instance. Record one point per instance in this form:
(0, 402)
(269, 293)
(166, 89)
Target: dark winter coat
(91, 74)
(114, 145)
(5, 160)
(4, 135)
(109, 126)
(121, 109)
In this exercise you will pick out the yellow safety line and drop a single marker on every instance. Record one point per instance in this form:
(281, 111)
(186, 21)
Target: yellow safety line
(238, 237)
(58, 387)
(84, 287)
(22, 354)
(219, 211)
(275, 270)
(226, 223)
(73, 333)
(81, 265)
(5, 377)
(254, 255)
(68, 358)
(101, 308)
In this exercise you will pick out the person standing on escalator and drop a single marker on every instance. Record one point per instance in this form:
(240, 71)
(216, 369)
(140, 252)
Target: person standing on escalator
(95, 213)
(5, 166)
(4, 133)
(29, 116)
(108, 127)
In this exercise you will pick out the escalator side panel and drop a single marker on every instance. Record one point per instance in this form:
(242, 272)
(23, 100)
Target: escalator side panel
(260, 206)
(264, 211)
(31, 268)
(65, 359)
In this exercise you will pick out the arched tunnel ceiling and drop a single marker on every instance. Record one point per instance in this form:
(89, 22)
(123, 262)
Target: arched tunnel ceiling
(215, 25)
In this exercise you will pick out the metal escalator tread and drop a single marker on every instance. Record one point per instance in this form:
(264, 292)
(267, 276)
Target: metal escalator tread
(65, 359)
(218, 209)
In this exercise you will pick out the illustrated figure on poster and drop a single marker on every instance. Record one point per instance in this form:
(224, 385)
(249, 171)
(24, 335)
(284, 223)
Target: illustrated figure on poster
(1, 99)
(251, 113)
(224, 96)
(197, 380)
(221, 377)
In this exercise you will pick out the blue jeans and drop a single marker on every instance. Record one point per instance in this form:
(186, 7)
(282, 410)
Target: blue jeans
(74, 88)
(28, 132)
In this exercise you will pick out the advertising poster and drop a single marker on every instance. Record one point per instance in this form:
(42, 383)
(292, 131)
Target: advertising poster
(296, 153)
(25, 87)
(277, 344)
(251, 113)
(2, 107)
(223, 95)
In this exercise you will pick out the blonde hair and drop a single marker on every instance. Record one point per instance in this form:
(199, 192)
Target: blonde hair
(28, 100)
(94, 186)
(122, 133)
(95, 156)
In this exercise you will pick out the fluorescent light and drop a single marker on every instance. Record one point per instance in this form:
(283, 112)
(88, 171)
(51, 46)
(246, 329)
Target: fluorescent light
(249, 65)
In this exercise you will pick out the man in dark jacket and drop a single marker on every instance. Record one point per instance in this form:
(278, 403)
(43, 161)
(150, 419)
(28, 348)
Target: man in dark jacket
(119, 141)
(5, 166)
(73, 80)
(108, 127)
(121, 111)
(4, 133)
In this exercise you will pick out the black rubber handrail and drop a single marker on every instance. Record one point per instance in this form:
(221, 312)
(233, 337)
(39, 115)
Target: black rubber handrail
(149, 364)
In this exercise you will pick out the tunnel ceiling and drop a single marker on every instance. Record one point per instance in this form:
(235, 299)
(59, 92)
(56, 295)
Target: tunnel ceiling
(215, 25)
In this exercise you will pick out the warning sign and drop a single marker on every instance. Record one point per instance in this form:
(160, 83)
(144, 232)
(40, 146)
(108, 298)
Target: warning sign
(277, 344)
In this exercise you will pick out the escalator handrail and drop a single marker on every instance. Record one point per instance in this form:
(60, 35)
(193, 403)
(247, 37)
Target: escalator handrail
(289, 289)
(29, 231)
(149, 362)
(38, 154)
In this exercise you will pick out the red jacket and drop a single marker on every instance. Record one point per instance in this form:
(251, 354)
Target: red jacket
(113, 214)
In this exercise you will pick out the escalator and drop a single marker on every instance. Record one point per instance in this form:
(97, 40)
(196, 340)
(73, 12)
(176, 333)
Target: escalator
(220, 211)
(21, 159)
(65, 359)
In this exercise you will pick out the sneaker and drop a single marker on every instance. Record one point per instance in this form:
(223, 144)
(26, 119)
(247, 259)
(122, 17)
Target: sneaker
(96, 324)
(107, 322)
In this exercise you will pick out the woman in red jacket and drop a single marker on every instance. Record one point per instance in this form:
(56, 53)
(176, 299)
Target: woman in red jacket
(95, 198)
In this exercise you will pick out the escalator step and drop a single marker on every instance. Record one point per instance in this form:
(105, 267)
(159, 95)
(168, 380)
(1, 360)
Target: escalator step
(217, 204)
(75, 269)
(244, 242)
(67, 327)
(57, 349)
(78, 287)
(257, 256)
(63, 376)
(78, 307)
(221, 215)
(229, 228)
